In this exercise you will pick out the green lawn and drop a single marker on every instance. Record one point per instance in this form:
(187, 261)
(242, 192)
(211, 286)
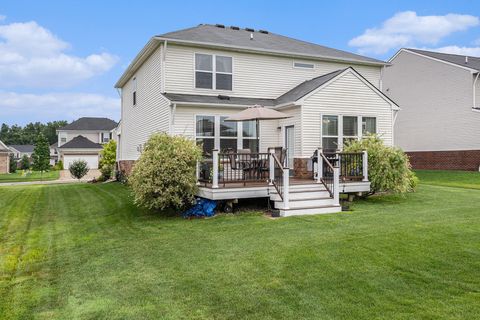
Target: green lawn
(460, 179)
(84, 251)
(19, 176)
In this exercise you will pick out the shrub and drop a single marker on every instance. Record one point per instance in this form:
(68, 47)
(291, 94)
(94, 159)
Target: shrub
(108, 158)
(389, 169)
(12, 164)
(164, 175)
(58, 166)
(78, 169)
(25, 162)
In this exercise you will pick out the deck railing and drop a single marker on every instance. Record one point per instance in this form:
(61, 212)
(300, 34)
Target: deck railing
(279, 177)
(353, 165)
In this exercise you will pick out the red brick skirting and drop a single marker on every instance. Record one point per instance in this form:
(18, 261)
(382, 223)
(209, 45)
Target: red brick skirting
(126, 166)
(468, 160)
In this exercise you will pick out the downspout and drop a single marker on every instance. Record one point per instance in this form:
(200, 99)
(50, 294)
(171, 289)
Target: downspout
(474, 93)
(172, 118)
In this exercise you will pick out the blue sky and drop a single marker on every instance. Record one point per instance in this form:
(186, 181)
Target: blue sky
(60, 59)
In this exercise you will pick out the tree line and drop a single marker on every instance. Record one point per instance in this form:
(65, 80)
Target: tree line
(29, 133)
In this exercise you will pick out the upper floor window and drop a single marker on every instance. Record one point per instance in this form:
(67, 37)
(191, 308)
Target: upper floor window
(134, 89)
(303, 65)
(106, 137)
(213, 72)
(63, 139)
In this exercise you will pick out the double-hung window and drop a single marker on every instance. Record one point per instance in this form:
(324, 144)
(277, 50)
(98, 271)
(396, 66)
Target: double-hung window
(205, 133)
(338, 130)
(214, 132)
(213, 72)
(330, 133)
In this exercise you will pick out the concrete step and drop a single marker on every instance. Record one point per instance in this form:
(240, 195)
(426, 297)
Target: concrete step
(309, 211)
(302, 203)
(300, 195)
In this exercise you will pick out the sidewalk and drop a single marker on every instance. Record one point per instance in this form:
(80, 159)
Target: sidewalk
(64, 178)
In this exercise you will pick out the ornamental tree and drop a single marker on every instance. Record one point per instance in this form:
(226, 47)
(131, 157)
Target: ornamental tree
(41, 154)
(108, 158)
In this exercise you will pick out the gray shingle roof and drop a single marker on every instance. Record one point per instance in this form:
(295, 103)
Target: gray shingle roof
(90, 123)
(80, 142)
(271, 42)
(197, 98)
(24, 148)
(306, 87)
(473, 62)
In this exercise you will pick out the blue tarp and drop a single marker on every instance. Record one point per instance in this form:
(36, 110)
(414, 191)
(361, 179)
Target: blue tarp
(202, 208)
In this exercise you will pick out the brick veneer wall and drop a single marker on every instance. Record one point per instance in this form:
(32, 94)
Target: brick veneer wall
(4, 162)
(468, 160)
(126, 166)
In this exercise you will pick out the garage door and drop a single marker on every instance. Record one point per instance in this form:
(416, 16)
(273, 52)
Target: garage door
(91, 159)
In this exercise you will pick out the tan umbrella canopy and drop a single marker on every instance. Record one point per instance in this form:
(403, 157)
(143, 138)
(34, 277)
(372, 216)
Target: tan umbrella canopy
(257, 113)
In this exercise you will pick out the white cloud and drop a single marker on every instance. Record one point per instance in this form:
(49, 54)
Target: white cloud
(2, 17)
(407, 29)
(32, 56)
(55, 106)
(465, 51)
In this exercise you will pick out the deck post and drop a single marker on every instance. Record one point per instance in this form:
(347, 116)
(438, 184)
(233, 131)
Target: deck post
(271, 165)
(286, 187)
(365, 165)
(319, 165)
(336, 186)
(215, 168)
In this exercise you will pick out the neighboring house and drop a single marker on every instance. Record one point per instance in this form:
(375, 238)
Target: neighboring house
(187, 82)
(4, 158)
(83, 139)
(20, 150)
(54, 153)
(440, 98)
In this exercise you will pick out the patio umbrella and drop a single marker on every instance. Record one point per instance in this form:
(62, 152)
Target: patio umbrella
(257, 113)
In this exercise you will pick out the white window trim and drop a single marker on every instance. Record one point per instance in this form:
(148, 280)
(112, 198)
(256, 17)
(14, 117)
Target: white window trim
(217, 137)
(214, 72)
(340, 137)
(303, 62)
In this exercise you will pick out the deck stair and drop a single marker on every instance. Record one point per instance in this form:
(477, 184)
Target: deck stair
(305, 199)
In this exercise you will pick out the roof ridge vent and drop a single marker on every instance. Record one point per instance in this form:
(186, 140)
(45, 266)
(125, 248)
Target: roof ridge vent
(263, 31)
(250, 29)
(218, 25)
(234, 28)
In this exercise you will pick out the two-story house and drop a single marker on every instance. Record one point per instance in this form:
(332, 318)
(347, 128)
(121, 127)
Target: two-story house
(440, 98)
(82, 140)
(188, 82)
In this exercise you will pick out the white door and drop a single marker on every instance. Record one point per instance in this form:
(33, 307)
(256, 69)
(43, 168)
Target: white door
(290, 145)
(91, 159)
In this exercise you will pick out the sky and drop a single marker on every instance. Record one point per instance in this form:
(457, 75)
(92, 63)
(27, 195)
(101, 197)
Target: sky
(59, 60)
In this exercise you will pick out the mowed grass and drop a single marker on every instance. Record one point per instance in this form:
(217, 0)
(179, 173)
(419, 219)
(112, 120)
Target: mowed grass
(86, 252)
(19, 176)
(460, 179)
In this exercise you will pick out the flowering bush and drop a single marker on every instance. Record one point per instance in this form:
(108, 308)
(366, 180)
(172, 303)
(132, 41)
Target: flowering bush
(164, 175)
(389, 169)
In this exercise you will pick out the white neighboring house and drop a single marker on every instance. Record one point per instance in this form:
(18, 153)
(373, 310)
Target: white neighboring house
(440, 98)
(83, 139)
(187, 82)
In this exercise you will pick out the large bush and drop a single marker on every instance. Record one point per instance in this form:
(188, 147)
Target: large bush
(389, 169)
(108, 158)
(164, 175)
(78, 169)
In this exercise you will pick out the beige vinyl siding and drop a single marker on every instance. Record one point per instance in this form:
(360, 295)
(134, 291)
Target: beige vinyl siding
(152, 111)
(254, 75)
(348, 96)
(185, 123)
(93, 136)
(296, 121)
(436, 101)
